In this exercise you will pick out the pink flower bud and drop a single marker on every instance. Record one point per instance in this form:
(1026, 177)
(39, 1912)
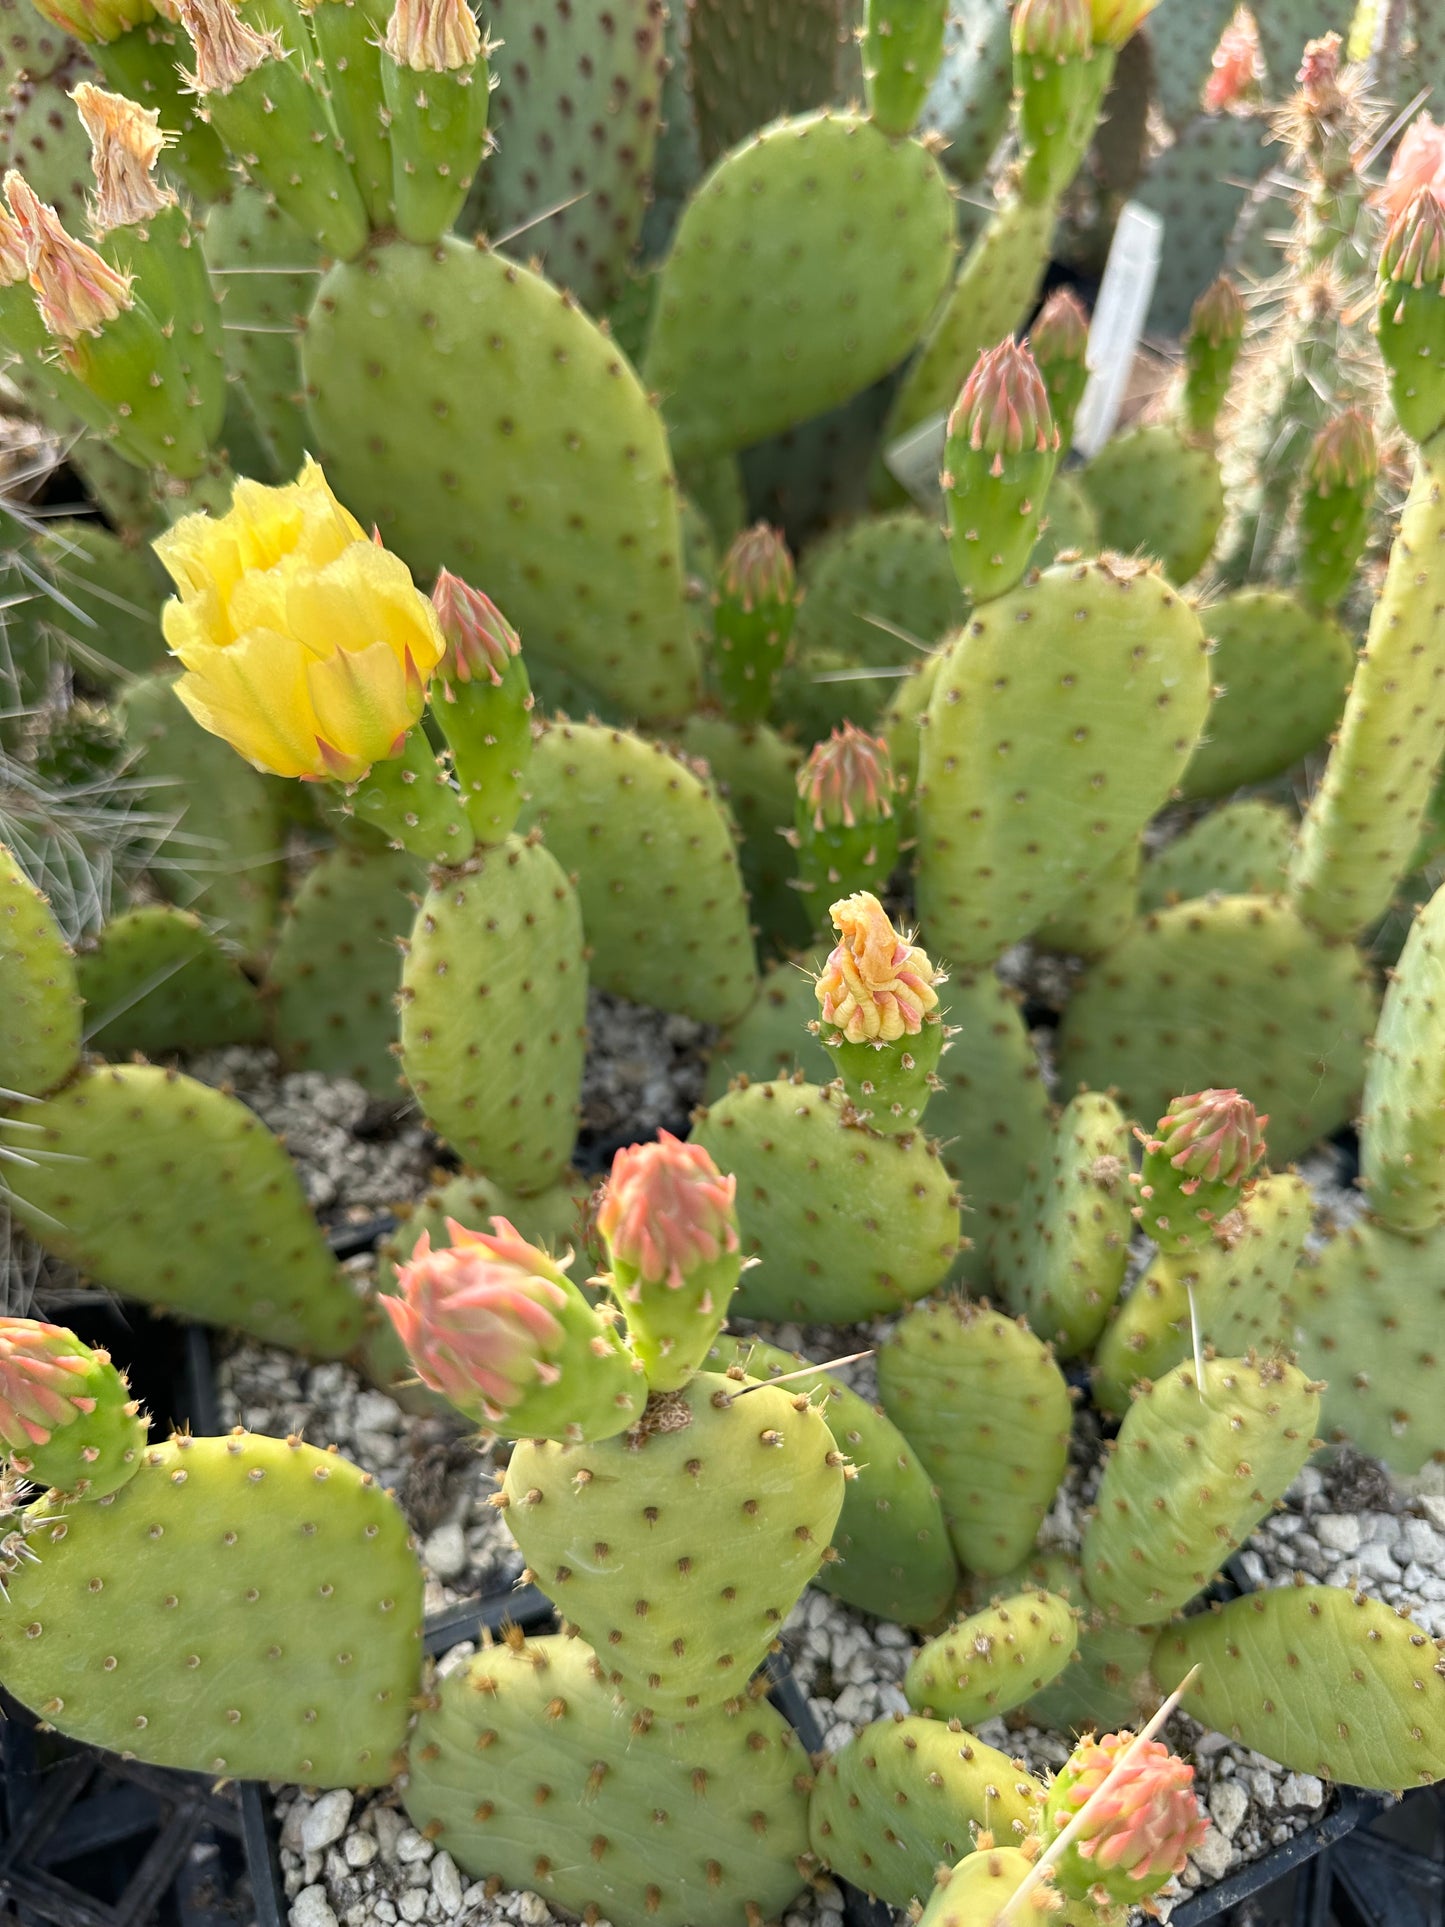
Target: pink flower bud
(1004, 406)
(1414, 250)
(757, 569)
(666, 1211)
(1139, 1833)
(1213, 1136)
(1237, 66)
(479, 639)
(42, 1382)
(1419, 162)
(1343, 454)
(1052, 29)
(847, 780)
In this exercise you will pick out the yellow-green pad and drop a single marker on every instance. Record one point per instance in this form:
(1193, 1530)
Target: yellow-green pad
(1158, 496)
(243, 1607)
(656, 868)
(173, 1193)
(903, 1798)
(1240, 849)
(1282, 672)
(1060, 720)
(845, 1223)
(805, 266)
(1108, 1684)
(1229, 993)
(526, 1769)
(158, 982)
(39, 998)
(995, 1659)
(1402, 1140)
(1322, 1680)
(486, 425)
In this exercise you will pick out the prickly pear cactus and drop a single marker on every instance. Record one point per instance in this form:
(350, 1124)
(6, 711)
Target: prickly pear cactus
(988, 1412)
(1108, 1684)
(980, 1890)
(786, 62)
(1158, 495)
(606, 605)
(1322, 1680)
(267, 267)
(1240, 849)
(1402, 1141)
(242, 1607)
(773, 1041)
(845, 1223)
(40, 1003)
(718, 1587)
(968, 103)
(494, 974)
(657, 871)
(1229, 991)
(805, 266)
(904, 1795)
(532, 1728)
(993, 1660)
(158, 982)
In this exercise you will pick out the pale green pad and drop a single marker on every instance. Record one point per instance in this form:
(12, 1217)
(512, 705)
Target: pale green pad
(39, 996)
(493, 1014)
(266, 272)
(1322, 1680)
(1366, 815)
(773, 1039)
(173, 1193)
(475, 414)
(903, 1797)
(994, 1660)
(1402, 1140)
(165, 985)
(1108, 1685)
(1371, 1309)
(681, 1555)
(1199, 186)
(1195, 1469)
(987, 1410)
(1092, 918)
(1229, 993)
(526, 1770)
(895, 1559)
(553, 1219)
(1239, 1285)
(755, 771)
(1158, 496)
(845, 1223)
(976, 1891)
(789, 55)
(1060, 720)
(805, 266)
(1060, 1254)
(1069, 523)
(336, 968)
(657, 871)
(1240, 849)
(1282, 672)
(244, 1607)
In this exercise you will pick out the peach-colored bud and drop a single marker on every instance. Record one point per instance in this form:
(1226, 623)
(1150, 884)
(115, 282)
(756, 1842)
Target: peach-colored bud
(227, 50)
(77, 292)
(480, 640)
(1419, 162)
(433, 36)
(1237, 65)
(666, 1211)
(42, 1382)
(875, 986)
(848, 780)
(1319, 76)
(125, 143)
(1142, 1829)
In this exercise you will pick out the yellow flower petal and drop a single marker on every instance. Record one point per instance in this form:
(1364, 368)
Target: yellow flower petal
(255, 695)
(361, 701)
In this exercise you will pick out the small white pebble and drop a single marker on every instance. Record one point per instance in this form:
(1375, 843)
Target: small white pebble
(327, 1820)
(412, 1846)
(1302, 1790)
(412, 1904)
(1338, 1532)
(311, 1908)
(360, 1850)
(1228, 1804)
(446, 1884)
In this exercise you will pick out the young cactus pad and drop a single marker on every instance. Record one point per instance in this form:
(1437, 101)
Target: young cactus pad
(525, 1768)
(243, 1607)
(39, 1000)
(1402, 1139)
(732, 1491)
(1323, 1680)
(993, 1660)
(67, 1419)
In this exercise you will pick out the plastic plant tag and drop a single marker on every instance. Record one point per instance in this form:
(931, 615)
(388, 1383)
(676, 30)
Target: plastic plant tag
(1124, 297)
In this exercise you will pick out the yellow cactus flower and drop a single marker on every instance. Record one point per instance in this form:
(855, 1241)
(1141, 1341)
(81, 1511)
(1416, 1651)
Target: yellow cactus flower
(875, 986)
(305, 645)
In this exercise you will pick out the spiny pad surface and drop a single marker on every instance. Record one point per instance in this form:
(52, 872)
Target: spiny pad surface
(678, 1551)
(525, 1768)
(243, 1607)
(39, 999)
(995, 1659)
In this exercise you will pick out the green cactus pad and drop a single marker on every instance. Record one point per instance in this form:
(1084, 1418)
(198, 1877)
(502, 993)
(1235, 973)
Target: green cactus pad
(552, 1219)
(1282, 673)
(804, 267)
(173, 1193)
(336, 970)
(904, 1797)
(1402, 1140)
(1092, 918)
(31, 45)
(107, 602)
(1159, 496)
(1322, 1680)
(1196, 1467)
(977, 1891)
(1069, 523)
(266, 272)
(224, 855)
(846, 1224)
(1240, 1284)
(43, 138)
(577, 100)
(40, 1000)
(1092, 750)
(733, 1494)
(657, 871)
(1231, 992)
(158, 982)
(1369, 1308)
(242, 1607)
(785, 61)
(894, 1554)
(968, 102)
(493, 1008)
(755, 771)
(1240, 849)
(1182, 62)
(773, 1039)
(566, 510)
(526, 1770)
(1108, 1684)
(993, 1660)
(1199, 186)
(1060, 1254)
(987, 1410)
(995, 289)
